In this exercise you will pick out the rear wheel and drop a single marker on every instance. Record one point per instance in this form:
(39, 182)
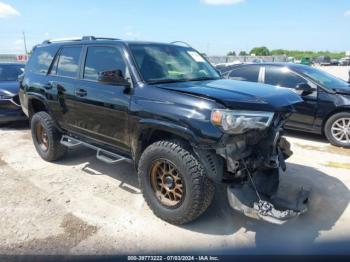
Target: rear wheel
(173, 182)
(46, 137)
(337, 129)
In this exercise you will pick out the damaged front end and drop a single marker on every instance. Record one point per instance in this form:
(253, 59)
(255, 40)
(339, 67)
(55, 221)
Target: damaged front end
(250, 164)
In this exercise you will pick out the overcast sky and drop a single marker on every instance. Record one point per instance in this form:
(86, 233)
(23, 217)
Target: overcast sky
(212, 26)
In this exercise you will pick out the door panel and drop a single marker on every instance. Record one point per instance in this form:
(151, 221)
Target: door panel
(304, 116)
(102, 113)
(101, 109)
(62, 79)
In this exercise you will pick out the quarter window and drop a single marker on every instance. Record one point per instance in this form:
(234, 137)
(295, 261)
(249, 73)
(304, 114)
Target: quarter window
(282, 76)
(248, 73)
(68, 62)
(102, 58)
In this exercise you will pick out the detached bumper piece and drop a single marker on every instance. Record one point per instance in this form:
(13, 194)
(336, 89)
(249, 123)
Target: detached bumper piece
(287, 203)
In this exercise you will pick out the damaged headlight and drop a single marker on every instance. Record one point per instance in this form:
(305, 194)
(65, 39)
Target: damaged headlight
(238, 121)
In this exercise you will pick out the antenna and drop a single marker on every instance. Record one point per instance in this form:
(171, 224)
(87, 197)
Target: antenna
(25, 43)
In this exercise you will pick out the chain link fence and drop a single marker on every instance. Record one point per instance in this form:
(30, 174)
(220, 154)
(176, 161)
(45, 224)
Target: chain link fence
(246, 59)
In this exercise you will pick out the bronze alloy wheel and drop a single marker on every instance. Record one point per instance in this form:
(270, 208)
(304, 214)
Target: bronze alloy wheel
(167, 183)
(41, 137)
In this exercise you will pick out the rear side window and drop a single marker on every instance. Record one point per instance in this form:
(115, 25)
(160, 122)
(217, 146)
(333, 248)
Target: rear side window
(41, 59)
(282, 76)
(248, 73)
(68, 61)
(102, 58)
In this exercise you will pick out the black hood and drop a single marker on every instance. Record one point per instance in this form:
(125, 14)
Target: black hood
(239, 94)
(10, 88)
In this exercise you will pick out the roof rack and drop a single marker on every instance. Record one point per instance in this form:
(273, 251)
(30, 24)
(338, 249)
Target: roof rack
(83, 38)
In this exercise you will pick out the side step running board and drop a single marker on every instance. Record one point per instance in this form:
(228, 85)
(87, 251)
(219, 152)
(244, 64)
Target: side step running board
(101, 154)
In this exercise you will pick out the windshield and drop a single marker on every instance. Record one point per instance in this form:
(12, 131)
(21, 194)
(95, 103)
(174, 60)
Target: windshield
(10, 72)
(161, 63)
(323, 78)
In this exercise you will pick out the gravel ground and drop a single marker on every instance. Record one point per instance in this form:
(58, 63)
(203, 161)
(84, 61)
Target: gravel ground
(82, 206)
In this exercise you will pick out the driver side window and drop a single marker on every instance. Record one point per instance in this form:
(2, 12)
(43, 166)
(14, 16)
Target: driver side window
(102, 58)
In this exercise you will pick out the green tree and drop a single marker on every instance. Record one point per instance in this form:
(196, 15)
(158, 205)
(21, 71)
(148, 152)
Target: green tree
(231, 53)
(243, 53)
(312, 54)
(260, 51)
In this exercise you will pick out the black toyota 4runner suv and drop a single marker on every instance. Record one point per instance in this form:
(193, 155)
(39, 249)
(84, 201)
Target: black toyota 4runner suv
(166, 109)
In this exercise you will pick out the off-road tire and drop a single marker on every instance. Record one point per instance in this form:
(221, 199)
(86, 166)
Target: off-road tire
(328, 126)
(199, 189)
(55, 150)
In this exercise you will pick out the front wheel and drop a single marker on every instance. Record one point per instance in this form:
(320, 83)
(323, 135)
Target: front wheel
(337, 129)
(173, 182)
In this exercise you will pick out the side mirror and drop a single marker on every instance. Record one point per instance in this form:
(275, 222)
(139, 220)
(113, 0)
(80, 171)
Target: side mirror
(113, 77)
(304, 88)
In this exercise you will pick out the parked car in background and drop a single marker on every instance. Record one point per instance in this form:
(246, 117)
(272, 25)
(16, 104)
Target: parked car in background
(345, 61)
(334, 62)
(306, 61)
(322, 60)
(10, 108)
(326, 106)
(224, 69)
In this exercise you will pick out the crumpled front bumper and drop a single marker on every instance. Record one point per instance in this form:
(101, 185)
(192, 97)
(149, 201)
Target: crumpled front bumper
(288, 202)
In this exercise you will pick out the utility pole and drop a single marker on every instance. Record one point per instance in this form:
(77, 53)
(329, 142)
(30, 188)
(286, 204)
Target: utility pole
(25, 43)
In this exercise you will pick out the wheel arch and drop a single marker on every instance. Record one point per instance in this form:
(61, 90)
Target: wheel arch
(152, 132)
(37, 103)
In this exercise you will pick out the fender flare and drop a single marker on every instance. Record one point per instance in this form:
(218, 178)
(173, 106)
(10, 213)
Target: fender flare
(147, 126)
(160, 125)
(39, 97)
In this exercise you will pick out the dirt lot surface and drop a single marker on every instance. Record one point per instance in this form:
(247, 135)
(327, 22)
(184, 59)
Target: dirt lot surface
(83, 206)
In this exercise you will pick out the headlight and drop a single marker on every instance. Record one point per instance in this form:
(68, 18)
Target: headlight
(3, 97)
(238, 121)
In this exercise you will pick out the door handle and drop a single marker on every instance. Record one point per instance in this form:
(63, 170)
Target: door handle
(80, 92)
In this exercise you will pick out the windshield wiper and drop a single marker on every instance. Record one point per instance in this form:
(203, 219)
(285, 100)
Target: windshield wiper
(203, 78)
(161, 81)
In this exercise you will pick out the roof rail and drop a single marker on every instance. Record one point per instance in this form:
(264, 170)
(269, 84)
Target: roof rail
(90, 37)
(83, 38)
(181, 42)
(62, 40)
